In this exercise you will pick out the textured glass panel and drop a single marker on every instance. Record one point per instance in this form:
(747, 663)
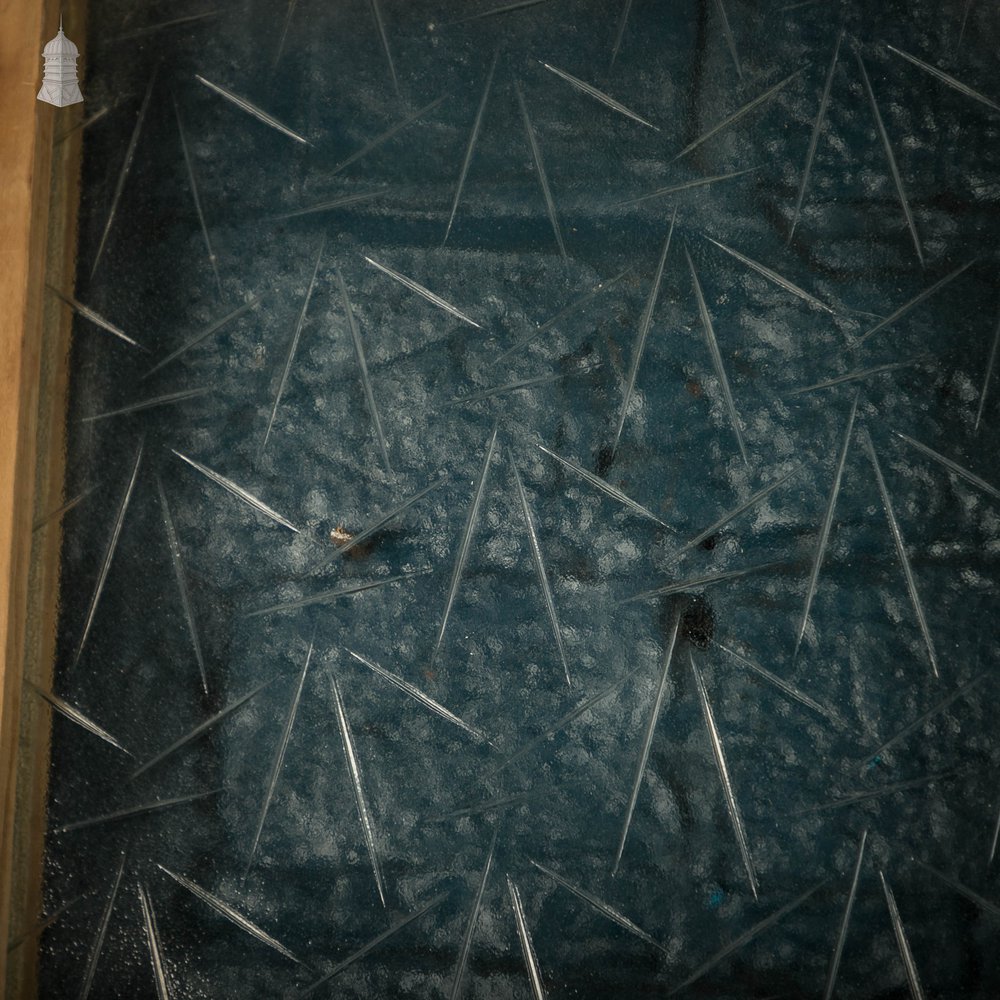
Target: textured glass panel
(668, 663)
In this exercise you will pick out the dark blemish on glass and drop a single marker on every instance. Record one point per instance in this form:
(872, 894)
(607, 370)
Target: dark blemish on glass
(946, 390)
(604, 459)
(698, 622)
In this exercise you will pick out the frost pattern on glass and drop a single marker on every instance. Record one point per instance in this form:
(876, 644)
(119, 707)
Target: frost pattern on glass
(610, 611)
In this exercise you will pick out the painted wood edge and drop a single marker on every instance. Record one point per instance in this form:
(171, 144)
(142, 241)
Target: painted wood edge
(38, 211)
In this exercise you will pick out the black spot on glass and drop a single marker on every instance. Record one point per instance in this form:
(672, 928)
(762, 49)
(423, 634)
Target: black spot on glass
(604, 459)
(698, 622)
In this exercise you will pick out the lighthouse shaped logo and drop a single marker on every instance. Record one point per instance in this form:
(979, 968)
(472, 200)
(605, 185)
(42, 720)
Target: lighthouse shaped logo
(59, 84)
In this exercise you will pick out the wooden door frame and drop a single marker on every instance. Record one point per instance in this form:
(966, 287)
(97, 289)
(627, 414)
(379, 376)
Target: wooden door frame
(39, 198)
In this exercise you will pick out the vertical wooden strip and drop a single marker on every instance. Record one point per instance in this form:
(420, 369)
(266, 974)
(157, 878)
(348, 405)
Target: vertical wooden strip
(39, 198)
